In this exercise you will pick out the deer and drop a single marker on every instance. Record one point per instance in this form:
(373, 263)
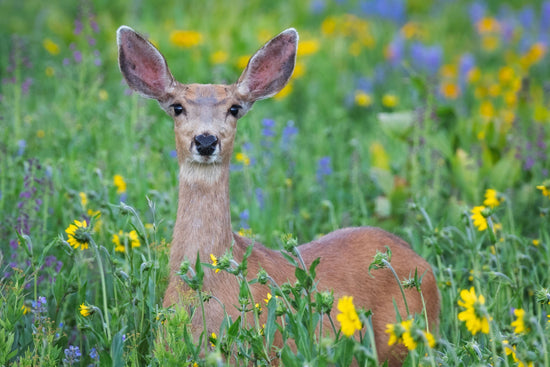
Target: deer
(205, 123)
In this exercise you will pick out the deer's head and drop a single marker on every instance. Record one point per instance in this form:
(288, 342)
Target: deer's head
(205, 115)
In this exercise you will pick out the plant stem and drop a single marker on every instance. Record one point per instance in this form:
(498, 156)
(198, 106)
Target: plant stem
(203, 312)
(387, 263)
(103, 289)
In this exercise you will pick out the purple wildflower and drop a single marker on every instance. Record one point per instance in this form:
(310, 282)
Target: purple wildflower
(289, 131)
(77, 55)
(427, 58)
(268, 125)
(260, 197)
(323, 169)
(72, 355)
(94, 25)
(244, 216)
(527, 17)
(529, 163)
(94, 355)
(21, 145)
(39, 307)
(477, 11)
(395, 50)
(545, 16)
(77, 27)
(317, 6)
(394, 10)
(467, 62)
(26, 85)
(97, 60)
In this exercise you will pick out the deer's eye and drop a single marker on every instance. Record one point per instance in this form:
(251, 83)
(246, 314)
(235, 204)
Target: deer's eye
(178, 109)
(234, 110)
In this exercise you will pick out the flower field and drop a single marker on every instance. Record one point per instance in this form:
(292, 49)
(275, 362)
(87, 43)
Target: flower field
(428, 118)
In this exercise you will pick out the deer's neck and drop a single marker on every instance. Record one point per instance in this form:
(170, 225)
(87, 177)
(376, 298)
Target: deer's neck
(203, 223)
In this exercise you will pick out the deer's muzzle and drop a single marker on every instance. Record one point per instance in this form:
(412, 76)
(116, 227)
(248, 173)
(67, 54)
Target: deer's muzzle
(206, 144)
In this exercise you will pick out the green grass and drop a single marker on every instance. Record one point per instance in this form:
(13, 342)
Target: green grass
(69, 127)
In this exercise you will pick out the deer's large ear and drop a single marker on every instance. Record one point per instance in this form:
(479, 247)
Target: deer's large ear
(270, 68)
(142, 65)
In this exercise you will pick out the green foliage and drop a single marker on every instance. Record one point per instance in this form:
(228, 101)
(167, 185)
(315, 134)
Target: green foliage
(376, 129)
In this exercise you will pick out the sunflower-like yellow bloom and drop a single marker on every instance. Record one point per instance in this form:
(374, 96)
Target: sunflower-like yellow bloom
(120, 184)
(480, 222)
(85, 310)
(214, 261)
(491, 198)
(121, 238)
(348, 317)
(78, 235)
(474, 315)
(519, 323)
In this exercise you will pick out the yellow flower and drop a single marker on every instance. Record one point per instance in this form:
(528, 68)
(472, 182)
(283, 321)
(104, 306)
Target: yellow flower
(392, 330)
(474, 75)
(488, 25)
(284, 92)
(308, 47)
(49, 71)
(103, 95)
(545, 190)
(214, 261)
(506, 75)
(51, 46)
(299, 70)
(242, 158)
(120, 184)
(213, 339)
(242, 61)
(430, 339)
(390, 100)
(26, 309)
(219, 57)
(85, 310)
(511, 349)
(119, 247)
(487, 110)
(490, 43)
(491, 198)
(328, 26)
(78, 235)
(362, 98)
(449, 90)
(348, 318)
(412, 30)
(474, 315)
(408, 339)
(95, 215)
(519, 323)
(536, 242)
(83, 199)
(533, 55)
(449, 71)
(480, 222)
(185, 39)
(379, 156)
(121, 239)
(245, 232)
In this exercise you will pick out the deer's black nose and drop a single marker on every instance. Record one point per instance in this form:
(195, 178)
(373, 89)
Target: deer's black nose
(206, 144)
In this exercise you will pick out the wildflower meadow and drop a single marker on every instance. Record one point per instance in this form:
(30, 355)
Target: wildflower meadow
(428, 118)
